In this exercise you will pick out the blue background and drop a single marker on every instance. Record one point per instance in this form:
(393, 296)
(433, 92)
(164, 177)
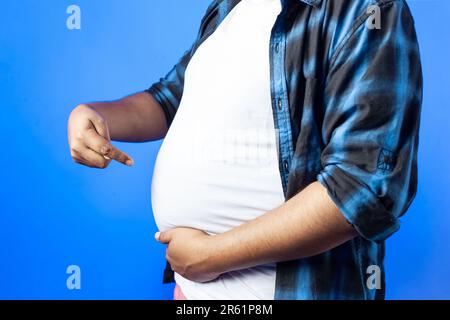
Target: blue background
(54, 213)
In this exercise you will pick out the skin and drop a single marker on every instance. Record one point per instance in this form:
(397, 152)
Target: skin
(92, 126)
(306, 225)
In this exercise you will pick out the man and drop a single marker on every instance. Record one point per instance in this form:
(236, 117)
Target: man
(292, 148)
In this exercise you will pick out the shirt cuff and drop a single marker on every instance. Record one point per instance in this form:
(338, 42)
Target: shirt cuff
(358, 204)
(157, 91)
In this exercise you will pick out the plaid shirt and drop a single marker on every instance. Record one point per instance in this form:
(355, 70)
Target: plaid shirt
(346, 101)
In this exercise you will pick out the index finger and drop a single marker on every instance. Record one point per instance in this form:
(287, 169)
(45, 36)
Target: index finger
(120, 156)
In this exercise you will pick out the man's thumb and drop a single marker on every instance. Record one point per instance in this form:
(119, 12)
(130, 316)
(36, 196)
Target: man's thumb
(163, 237)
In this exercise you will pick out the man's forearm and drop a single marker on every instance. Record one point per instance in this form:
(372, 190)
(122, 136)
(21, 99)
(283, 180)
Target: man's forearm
(136, 118)
(306, 225)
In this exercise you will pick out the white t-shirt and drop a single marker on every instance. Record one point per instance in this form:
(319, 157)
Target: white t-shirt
(218, 165)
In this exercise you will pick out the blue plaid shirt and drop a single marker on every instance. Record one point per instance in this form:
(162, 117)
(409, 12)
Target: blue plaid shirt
(346, 101)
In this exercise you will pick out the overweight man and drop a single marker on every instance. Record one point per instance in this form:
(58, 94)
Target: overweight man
(290, 147)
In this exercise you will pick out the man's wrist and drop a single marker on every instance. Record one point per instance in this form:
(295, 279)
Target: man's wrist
(216, 254)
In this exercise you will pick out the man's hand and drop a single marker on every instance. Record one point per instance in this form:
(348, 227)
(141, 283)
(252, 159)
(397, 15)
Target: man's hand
(188, 252)
(306, 225)
(89, 139)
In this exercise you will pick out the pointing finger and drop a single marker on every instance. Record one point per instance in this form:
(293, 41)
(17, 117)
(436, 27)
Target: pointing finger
(103, 147)
(119, 156)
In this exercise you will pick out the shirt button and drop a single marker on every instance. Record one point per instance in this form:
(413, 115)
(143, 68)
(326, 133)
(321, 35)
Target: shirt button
(277, 48)
(280, 104)
(286, 166)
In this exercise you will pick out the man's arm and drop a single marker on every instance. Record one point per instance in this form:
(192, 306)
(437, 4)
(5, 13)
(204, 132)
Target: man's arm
(136, 118)
(144, 116)
(92, 126)
(306, 225)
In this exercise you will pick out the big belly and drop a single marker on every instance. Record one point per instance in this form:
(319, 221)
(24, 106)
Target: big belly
(214, 182)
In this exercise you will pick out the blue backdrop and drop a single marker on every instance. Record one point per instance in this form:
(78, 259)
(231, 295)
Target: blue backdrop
(54, 214)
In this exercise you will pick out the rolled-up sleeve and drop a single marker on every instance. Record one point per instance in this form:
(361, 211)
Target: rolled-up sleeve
(373, 96)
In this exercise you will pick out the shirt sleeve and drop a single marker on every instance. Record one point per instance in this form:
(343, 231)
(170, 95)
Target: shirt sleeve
(373, 96)
(168, 90)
